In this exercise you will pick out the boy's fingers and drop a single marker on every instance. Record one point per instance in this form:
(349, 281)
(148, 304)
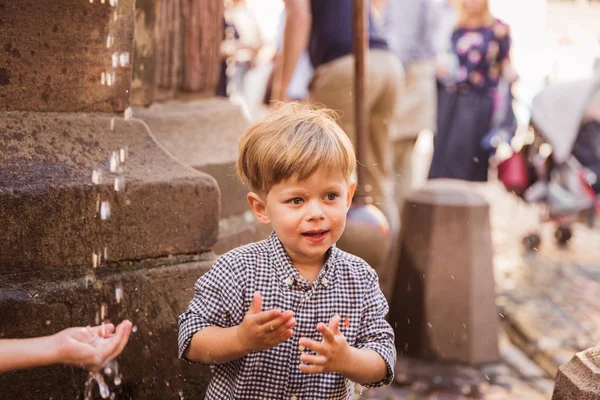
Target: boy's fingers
(313, 345)
(265, 317)
(313, 360)
(334, 324)
(256, 305)
(311, 369)
(326, 332)
(287, 324)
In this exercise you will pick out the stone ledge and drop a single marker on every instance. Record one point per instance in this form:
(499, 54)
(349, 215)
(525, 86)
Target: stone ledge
(48, 203)
(152, 300)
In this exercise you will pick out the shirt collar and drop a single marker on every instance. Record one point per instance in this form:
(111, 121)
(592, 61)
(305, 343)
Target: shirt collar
(286, 272)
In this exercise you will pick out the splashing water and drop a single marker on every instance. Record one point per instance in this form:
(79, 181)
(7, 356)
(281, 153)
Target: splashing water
(102, 386)
(123, 154)
(115, 59)
(112, 124)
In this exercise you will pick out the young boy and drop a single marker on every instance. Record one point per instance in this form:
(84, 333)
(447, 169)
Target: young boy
(292, 316)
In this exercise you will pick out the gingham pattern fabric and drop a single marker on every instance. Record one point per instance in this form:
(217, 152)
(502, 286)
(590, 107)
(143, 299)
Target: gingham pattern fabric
(346, 285)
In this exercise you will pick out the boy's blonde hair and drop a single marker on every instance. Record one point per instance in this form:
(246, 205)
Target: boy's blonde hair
(294, 140)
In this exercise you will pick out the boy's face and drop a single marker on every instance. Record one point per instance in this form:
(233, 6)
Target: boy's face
(308, 216)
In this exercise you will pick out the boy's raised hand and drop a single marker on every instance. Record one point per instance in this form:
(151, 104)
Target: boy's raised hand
(331, 353)
(261, 330)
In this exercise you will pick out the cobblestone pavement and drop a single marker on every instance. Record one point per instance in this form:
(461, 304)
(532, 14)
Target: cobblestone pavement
(546, 301)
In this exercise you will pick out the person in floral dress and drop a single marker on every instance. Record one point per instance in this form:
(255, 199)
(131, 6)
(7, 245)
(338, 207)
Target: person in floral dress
(467, 81)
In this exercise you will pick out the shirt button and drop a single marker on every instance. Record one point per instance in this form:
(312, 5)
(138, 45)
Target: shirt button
(288, 281)
(324, 282)
(293, 397)
(301, 348)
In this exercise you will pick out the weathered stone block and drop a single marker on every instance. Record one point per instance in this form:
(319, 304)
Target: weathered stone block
(205, 134)
(443, 305)
(153, 298)
(54, 53)
(49, 205)
(579, 379)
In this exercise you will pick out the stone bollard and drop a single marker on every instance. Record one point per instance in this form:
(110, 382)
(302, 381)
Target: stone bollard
(443, 305)
(579, 379)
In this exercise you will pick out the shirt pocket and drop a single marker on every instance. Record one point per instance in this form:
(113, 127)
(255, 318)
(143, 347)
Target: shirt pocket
(349, 310)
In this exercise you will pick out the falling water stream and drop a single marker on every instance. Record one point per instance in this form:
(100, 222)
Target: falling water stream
(112, 175)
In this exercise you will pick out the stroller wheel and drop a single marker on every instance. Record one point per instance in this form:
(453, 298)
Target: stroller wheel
(563, 235)
(532, 241)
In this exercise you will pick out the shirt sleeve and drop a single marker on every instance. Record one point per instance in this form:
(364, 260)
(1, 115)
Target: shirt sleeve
(502, 34)
(217, 301)
(375, 333)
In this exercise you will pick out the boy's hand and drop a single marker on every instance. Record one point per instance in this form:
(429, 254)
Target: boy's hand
(261, 330)
(331, 354)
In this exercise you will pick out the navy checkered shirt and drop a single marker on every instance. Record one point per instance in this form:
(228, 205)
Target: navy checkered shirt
(346, 286)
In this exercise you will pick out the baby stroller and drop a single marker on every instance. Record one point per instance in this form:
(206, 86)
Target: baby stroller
(562, 157)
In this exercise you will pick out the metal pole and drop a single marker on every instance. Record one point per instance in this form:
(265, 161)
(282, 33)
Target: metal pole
(359, 25)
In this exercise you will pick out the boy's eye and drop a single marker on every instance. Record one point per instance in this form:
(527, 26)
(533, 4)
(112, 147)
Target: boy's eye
(332, 196)
(296, 200)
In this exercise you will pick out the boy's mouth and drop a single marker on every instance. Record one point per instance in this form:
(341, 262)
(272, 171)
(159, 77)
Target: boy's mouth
(315, 235)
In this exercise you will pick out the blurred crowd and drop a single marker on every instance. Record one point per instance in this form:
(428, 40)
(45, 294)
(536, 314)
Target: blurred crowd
(443, 67)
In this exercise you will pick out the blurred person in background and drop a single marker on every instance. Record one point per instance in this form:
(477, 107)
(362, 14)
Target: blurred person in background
(469, 76)
(417, 33)
(325, 29)
(243, 41)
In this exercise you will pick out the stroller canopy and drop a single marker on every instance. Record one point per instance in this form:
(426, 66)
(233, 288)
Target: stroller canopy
(557, 112)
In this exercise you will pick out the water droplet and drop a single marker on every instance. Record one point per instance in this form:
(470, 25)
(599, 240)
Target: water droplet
(95, 260)
(48, 322)
(105, 253)
(127, 202)
(103, 313)
(128, 114)
(118, 380)
(115, 59)
(98, 204)
(134, 329)
(102, 1)
(114, 3)
(110, 40)
(119, 294)
(114, 162)
(104, 210)
(107, 371)
(115, 16)
(96, 177)
(124, 59)
(102, 78)
(112, 124)
(119, 183)
(97, 319)
(123, 154)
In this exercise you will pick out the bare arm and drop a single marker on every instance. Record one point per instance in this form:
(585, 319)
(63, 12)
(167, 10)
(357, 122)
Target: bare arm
(214, 345)
(364, 366)
(295, 41)
(85, 347)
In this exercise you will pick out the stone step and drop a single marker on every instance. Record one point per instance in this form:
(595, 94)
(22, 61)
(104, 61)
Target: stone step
(49, 205)
(204, 134)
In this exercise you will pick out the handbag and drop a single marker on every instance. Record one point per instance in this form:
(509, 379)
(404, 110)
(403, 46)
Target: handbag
(512, 172)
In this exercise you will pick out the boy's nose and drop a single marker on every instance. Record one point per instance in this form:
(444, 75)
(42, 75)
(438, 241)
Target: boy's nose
(315, 211)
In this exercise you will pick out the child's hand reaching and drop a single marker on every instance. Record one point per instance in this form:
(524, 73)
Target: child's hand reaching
(261, 330)
(332, 352)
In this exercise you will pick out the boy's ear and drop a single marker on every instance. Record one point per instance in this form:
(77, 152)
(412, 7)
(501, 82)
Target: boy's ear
(351, 189)
(258, 207)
